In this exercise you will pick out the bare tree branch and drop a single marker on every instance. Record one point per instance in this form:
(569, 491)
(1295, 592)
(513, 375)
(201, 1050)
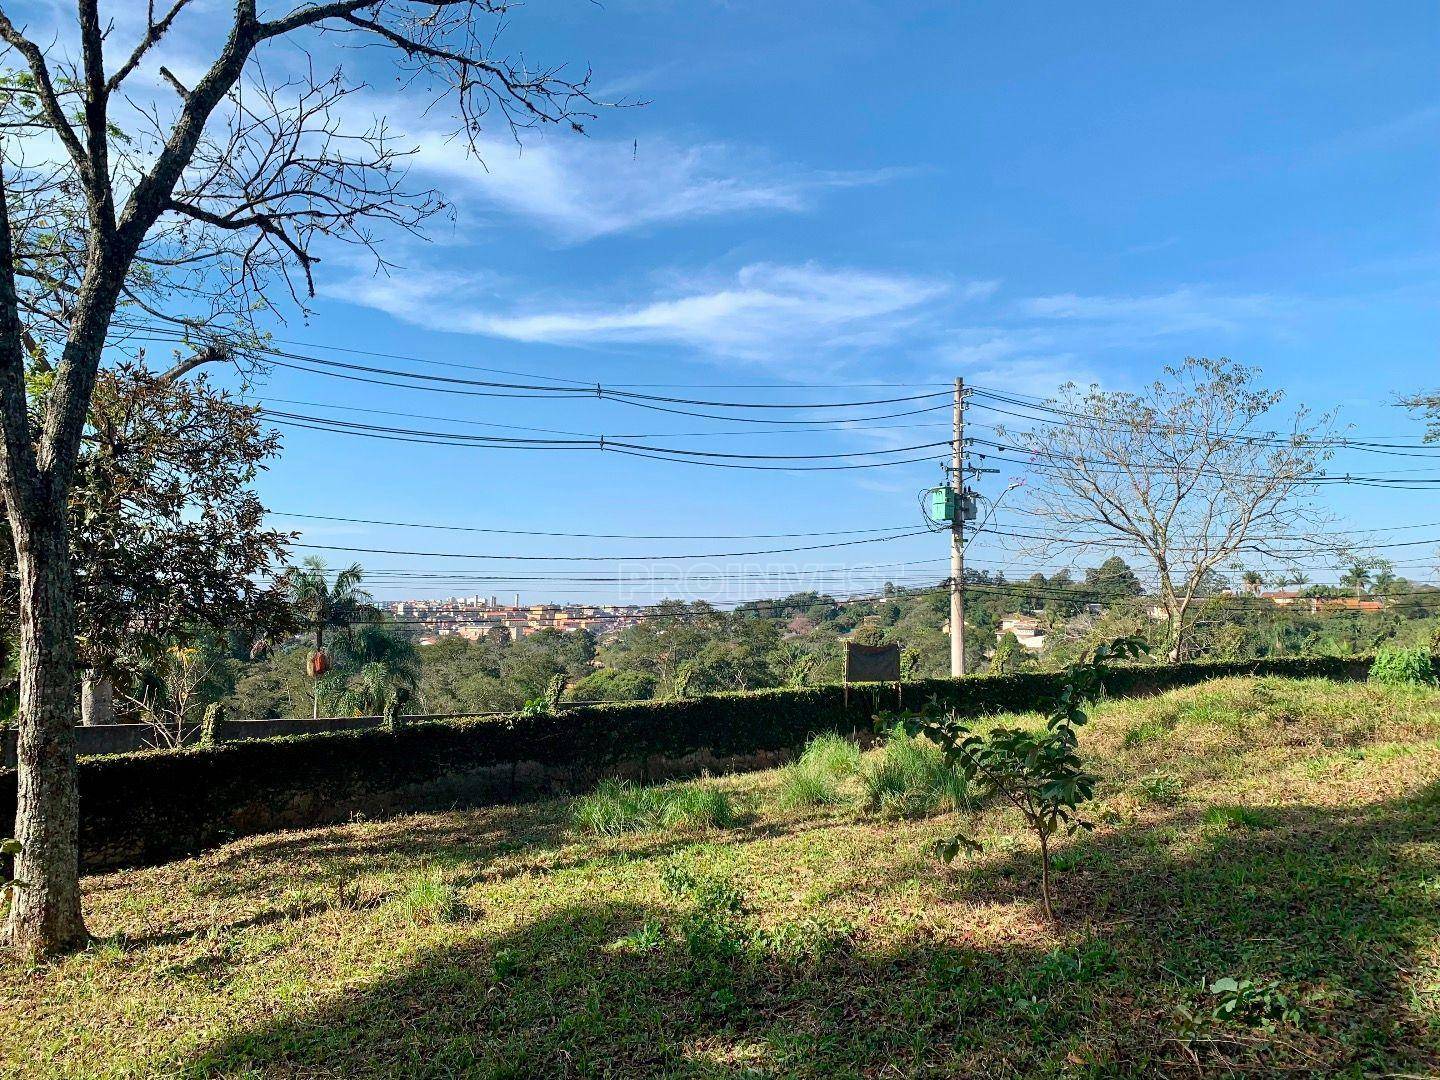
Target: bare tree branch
(1177, 474)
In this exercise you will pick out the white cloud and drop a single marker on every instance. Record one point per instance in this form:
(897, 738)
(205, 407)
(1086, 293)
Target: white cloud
(765, 311)
(581, 188)
(1023, 360)
(1180, 311)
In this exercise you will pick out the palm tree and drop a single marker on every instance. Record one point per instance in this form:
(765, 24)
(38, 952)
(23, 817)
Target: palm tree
(1357, 577)
(387, 669)
(324, 602)
(1253, 581)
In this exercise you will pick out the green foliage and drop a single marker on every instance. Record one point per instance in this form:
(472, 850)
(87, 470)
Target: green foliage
(158, 805)
(716, 924)
(911, 776)
(9, 848)
(814, 778)
(377, 670)
(210, 723)
(607, 684)
(167, 536)
(1009, 655)
(1161, 788)
(1039, 772)
(618, 806)
(1113, 580)
(429, 897)
(1244, 1001)
(1414, 667)
(495, 674)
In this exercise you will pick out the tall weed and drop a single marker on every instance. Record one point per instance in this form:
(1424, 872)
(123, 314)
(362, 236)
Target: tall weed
(815, 778)
(910, 777)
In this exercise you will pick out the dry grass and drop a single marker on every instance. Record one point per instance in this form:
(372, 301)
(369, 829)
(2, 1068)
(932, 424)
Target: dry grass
(1278, 831)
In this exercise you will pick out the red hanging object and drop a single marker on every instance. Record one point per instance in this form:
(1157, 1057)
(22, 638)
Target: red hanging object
(317, 663)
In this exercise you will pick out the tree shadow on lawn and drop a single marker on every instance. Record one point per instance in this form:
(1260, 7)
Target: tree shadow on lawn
(341, 881)
(1332, 904)
(477, 848)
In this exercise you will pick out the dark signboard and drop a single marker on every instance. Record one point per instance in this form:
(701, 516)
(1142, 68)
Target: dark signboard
(872, 663)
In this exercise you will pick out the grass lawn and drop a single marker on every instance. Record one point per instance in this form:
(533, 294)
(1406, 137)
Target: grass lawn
(1283, 834)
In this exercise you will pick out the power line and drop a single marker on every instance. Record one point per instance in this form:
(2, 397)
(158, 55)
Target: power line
(587, 536)
(607, 558)
(1375, 444)
(597, 389)
(163, 328)
(815, 429)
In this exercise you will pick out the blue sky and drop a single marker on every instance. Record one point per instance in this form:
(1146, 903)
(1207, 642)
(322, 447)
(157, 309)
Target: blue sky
(843, 192)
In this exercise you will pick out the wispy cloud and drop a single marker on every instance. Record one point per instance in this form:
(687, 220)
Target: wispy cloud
(1417, 127)
(579, 189)
(1180, 311)
(1025, 360)
(763, 312)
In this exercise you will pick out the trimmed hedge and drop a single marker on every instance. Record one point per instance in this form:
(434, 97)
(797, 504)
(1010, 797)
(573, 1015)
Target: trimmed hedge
(155, 805)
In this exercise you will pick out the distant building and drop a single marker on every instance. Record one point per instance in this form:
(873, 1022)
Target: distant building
(1029, 631)
(475, 617)
(1317, 604)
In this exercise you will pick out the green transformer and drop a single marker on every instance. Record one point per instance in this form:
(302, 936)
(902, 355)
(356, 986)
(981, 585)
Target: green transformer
(942, 504)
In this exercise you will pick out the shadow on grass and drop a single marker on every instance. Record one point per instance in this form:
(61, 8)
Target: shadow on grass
(1335, 906)
(334, 861)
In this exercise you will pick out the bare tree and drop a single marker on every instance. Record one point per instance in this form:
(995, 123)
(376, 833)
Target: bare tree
(1184, 475)
(120, 214)
(170, 708)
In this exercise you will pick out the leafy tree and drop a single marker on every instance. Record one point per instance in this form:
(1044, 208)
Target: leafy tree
(868, 635)
(378, 670)
(324, 601)
(1357, 578)
(666, 644)
(167, 536)
(608, 684)
(1009, 655)
(1113, 580)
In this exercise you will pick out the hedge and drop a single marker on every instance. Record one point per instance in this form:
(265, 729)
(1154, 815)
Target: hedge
(154, 805)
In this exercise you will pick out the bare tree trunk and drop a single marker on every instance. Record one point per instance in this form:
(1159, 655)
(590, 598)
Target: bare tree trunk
(45, 912)
(97, 699)
(1174, 630)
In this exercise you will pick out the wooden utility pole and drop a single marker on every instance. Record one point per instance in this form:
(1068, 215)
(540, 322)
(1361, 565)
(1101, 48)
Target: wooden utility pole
(957, 538)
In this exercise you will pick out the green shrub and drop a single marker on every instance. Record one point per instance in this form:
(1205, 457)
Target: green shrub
(618, 806)
(909, 776)
(607, 684)
(1403, 667)
(814, 779)
(163, 804)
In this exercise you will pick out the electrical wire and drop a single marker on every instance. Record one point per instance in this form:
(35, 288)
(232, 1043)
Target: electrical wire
(608, 558)
(586, 536)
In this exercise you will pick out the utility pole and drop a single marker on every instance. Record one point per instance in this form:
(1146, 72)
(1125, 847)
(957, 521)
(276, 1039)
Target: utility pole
(957, 538)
